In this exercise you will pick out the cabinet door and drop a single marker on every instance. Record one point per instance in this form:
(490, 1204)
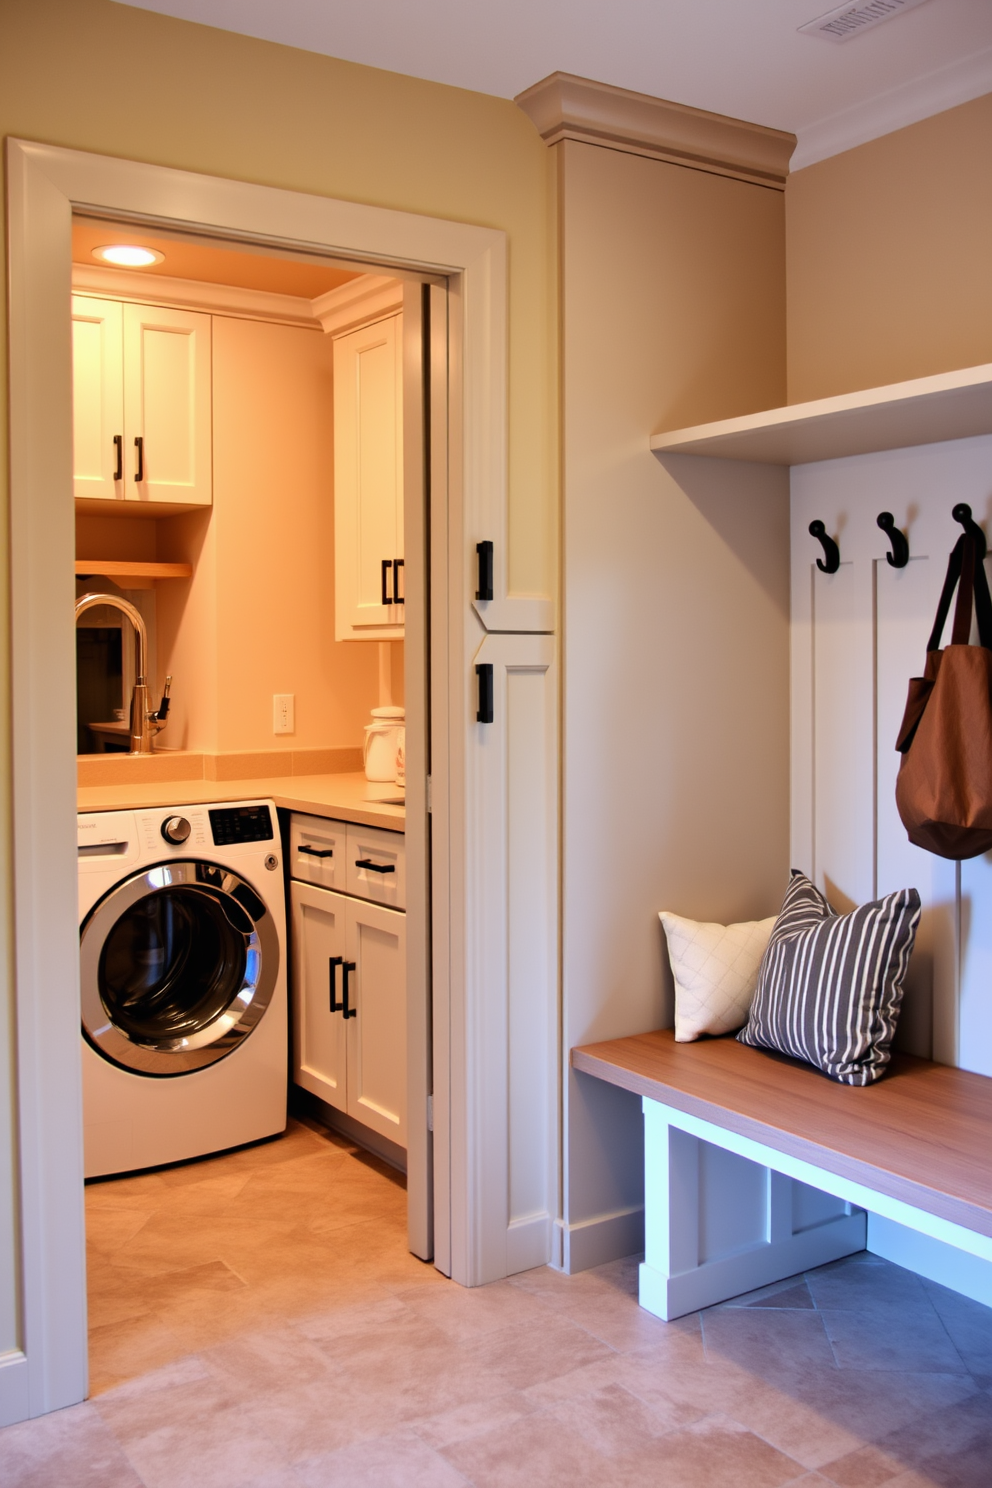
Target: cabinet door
(97, 398)
(368, 481)
(377, 1032)
(167, 406)
(319, 950)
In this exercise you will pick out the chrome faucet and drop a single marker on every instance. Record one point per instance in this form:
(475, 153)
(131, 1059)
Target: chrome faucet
(145, 723)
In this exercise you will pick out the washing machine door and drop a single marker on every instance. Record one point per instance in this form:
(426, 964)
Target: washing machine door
(178, 965)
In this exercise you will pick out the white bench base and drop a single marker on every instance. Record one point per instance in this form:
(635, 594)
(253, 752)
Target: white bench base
(725, 1214)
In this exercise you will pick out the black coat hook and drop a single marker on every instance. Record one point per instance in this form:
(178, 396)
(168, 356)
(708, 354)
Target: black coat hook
(962, 513)
(899, 556)
(830, 562)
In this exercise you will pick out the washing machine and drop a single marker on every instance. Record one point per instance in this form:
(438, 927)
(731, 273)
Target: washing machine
(182, 952)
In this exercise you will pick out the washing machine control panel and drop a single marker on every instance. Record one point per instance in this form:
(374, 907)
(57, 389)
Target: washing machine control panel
(236, 824)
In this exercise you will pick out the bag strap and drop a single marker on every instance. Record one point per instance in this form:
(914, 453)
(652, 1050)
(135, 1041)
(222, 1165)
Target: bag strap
(965, 565)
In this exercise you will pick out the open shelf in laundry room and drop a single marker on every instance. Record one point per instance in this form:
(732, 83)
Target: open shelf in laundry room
(924, 410)
(131, 574)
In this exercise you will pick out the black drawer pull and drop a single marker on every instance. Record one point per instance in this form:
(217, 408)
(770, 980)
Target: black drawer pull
(119, 447)
(485, 552)
(375, 867)
(346, 968)
(316, 852)
(398, 563)
(484, 672)
(387, 598)
(139, 445)
(332, 962)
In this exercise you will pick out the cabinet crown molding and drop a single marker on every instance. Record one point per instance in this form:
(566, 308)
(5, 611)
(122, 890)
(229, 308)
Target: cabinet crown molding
(563, 106)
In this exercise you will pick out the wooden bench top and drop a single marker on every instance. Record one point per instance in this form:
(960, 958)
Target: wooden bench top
(922, 1134)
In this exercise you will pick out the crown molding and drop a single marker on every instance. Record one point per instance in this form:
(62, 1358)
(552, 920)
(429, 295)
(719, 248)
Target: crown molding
(566, 107)
(947, 87)
(193, 294)
(358, 302)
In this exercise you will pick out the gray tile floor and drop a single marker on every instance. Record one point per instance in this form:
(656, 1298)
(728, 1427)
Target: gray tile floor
(258, 1323)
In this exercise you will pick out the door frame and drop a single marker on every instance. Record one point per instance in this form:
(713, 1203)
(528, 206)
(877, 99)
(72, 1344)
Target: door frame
(45, 185)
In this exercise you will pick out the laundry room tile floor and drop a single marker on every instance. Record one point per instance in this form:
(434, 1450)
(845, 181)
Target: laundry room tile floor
(257, 1322)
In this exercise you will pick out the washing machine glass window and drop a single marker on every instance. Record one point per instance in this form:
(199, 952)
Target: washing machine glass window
(178, 963)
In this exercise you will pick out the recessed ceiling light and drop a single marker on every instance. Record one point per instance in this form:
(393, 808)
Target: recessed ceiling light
(128, 256)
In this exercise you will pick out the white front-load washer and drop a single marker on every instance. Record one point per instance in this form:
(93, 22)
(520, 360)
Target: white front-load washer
(182, 951)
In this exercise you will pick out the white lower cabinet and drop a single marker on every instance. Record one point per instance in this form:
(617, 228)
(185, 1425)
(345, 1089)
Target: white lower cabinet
(349, 1005)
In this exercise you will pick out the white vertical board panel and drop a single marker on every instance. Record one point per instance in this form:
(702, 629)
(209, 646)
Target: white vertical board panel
(516, 842)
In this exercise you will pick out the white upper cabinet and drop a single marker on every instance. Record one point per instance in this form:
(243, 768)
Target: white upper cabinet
(142, 404)
(368, 481)
(98, 398)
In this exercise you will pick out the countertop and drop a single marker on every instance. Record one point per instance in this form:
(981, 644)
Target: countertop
(349, 798)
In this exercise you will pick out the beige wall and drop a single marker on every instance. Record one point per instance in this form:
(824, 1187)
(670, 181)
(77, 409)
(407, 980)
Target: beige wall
(890, 257)
(675, 597)
(92, 75)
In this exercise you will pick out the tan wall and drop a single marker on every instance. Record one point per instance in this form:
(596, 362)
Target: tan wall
(676, 612)
(890, 257)
(92, 75)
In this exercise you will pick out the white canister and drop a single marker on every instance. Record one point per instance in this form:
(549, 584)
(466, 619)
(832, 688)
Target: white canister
(383, 737)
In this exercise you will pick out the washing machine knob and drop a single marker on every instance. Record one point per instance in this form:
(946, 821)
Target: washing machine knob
(176, 829)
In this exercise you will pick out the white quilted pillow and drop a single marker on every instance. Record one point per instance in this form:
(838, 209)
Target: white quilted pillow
(716, 971)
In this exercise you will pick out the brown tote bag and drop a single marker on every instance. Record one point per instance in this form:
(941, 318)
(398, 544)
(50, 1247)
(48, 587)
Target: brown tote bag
(944, 788)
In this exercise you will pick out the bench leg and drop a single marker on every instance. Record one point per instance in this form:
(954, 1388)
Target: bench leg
(717, 1224)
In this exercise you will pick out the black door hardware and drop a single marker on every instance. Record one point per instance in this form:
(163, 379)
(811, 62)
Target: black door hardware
(962, 513)
(375, 867)
(830, 562)
(316, 852)
(899, 556)
(332, 963)
(119, 447)
(484, 672)
(485, 552)
(346, 968)
(398, 563)
(139, 445)
(387, 598)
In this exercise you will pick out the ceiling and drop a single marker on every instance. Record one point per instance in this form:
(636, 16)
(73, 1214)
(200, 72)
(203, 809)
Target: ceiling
(744, 58)
(187, 259)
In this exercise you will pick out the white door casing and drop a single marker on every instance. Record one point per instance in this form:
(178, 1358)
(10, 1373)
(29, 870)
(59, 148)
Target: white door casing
(48, 1368)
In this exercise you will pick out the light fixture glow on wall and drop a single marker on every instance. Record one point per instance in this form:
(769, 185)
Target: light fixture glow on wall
(128, 256)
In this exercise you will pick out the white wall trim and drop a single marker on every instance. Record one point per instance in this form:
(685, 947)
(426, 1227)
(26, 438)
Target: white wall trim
(945, 88)
(219, 299)
(593, 1242)
(45, 184)
(937, 1261)
(356, 303)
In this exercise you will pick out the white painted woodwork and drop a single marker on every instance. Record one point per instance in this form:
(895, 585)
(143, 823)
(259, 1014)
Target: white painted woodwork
(167, 403)
(718, 1223)
(516, 863)
(319, 1037)
(41, 1210)
(367, 298)
(924, 410)
(376, 1035)
(368, 478)
(386, 850)
(317, 851)
(359, 1065)
(98, 397)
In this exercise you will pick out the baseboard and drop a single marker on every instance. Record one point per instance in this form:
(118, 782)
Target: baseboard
(937, 1261)
(593, 1242)
(14, 1402)
(528, 1244)
(303, 1103)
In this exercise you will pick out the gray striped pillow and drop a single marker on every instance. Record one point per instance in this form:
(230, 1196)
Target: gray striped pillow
(830, 986)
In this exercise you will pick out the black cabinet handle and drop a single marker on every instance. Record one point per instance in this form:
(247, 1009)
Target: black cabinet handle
(398, 563)
(387, 598)
(485, 552)
(139, 445)
(484, 672)
(375, 867)
(346, 968)
(316, 852)
(119, 447)
(332, 963)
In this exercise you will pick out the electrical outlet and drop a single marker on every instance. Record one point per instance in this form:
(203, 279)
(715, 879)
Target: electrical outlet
(284, 713)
